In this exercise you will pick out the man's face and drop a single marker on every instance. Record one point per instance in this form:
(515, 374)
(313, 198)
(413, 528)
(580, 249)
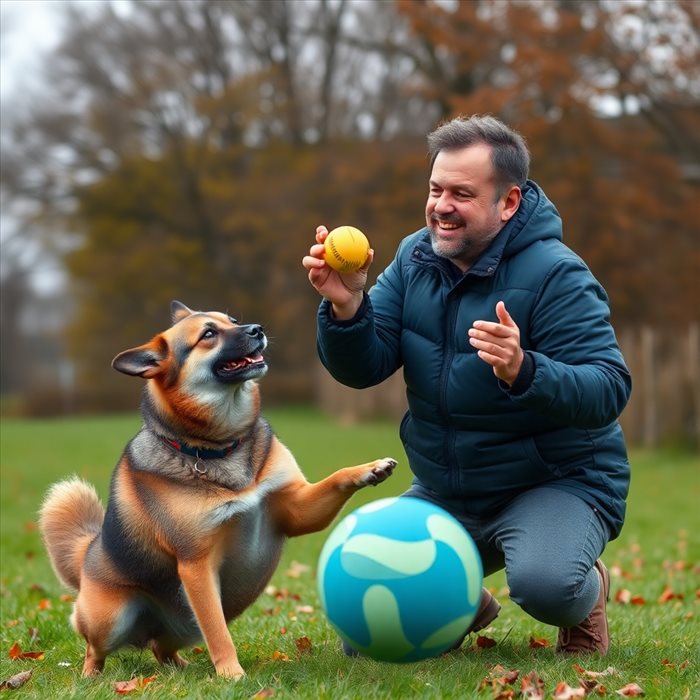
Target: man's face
(462, 211)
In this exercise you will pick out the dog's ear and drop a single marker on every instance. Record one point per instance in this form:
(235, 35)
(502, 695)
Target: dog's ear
(144, 361)
(178, 311)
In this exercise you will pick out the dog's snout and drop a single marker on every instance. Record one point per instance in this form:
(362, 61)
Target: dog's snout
(255, 330)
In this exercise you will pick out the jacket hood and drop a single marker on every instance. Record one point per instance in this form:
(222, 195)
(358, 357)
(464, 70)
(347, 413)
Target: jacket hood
(536, 219)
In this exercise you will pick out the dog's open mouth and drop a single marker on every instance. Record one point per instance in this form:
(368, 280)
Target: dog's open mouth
(235, 369)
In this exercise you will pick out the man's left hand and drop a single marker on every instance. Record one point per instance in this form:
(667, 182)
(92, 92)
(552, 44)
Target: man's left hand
(498, 344)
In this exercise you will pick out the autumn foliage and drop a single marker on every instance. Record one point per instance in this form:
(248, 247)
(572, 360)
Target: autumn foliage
(188, 151)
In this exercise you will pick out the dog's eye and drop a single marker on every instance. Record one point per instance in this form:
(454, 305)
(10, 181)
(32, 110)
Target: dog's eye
(208, 334)
(233, 320)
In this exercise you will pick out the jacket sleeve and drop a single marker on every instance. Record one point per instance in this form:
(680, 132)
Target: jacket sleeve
(365, 350)
(580, 377)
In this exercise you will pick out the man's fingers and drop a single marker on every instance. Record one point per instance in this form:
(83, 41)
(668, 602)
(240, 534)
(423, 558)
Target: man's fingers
(503, 316)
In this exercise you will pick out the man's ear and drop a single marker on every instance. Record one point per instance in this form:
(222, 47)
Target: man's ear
(178, 311)
(511, 202)
(144, 361)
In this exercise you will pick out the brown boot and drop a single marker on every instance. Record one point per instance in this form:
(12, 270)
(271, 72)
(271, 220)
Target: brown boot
(591, 635)
(488, 611)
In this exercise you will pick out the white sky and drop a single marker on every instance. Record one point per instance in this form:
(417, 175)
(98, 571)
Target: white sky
(28, 28)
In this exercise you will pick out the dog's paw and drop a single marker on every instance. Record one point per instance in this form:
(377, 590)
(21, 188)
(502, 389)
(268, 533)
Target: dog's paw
(233, 671)
(380, 471)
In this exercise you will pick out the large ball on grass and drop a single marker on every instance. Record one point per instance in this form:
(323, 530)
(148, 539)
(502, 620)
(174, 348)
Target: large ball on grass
(400, 580)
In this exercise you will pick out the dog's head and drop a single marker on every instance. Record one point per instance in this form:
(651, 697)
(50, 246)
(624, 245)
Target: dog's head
(199, 351)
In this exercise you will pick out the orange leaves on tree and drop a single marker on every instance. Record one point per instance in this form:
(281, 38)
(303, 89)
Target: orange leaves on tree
(16, 653)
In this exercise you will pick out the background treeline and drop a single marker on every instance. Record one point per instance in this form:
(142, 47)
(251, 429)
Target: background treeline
(187, 150)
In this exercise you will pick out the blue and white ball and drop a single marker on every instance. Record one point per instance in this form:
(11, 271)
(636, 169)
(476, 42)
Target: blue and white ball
(400, 580)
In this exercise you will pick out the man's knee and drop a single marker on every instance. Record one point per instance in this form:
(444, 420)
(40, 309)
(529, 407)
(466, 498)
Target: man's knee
(547, 595)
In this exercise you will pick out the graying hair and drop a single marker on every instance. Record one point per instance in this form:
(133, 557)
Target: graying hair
(509, 153)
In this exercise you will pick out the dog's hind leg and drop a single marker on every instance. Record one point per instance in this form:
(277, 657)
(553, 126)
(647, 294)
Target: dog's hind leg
(104, 616)
(302, 507)
(166, 654)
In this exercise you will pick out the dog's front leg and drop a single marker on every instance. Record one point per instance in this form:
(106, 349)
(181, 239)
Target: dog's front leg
(302, 507)
(203, 594)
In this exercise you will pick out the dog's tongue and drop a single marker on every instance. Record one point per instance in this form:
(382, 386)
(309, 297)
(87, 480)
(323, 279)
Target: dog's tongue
(231, 366)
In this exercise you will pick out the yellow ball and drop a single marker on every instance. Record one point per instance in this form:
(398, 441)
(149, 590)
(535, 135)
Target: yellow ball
(347, 249)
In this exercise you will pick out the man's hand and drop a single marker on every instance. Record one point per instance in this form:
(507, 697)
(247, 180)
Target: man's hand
(498, 344)
(343, 291)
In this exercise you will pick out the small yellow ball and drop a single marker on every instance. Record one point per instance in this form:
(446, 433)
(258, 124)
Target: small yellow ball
(347, 249)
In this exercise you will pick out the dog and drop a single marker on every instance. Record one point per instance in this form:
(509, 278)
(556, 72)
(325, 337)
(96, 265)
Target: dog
(200, 504)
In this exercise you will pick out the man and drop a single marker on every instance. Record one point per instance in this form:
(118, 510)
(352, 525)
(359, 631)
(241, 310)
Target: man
(513, 375)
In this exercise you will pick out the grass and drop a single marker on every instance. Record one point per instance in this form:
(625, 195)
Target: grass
(654, 644)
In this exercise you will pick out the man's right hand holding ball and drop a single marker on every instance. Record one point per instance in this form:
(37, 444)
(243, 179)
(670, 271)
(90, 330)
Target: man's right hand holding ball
(344, 291)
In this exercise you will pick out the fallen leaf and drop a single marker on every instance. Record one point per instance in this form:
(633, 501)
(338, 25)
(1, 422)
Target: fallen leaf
(296, 569)
(564, 691)
(485, 642)
(123, 687)
(532, 686)
(638, 600)
(264, 693)
(669, 595)
(16, 681)
(279, 656)
(631, 690)
(303, 645)
(306, 609)
(623, 596)
(17, 653)
(609, 671)
(538, 643)
(44, 604)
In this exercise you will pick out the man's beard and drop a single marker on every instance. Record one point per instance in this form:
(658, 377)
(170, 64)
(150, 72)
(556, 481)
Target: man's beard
(467, 249)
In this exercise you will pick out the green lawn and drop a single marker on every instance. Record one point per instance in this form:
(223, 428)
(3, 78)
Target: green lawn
(654, 644)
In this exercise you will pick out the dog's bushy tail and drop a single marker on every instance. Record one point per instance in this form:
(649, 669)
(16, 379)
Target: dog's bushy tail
(70, 518)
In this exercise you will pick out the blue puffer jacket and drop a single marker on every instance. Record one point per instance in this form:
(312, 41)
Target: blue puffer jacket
(467, 434)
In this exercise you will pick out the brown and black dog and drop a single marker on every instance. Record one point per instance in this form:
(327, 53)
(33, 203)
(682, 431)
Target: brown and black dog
(200, 504)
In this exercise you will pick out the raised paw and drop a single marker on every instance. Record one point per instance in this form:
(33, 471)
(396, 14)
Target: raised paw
(381, 471)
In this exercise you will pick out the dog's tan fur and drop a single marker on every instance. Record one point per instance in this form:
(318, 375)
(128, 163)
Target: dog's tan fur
(188, 542)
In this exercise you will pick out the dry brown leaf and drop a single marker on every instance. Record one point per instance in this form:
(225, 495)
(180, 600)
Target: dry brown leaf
(669, 595)
(485, 642)
(631, 690)
(16, 652)
(124, 687)
(564, 691)
(538, 643)
(279, 656)
(264, 693)
(16, 681)
(296, 569)
(303, 645)
(532, 686)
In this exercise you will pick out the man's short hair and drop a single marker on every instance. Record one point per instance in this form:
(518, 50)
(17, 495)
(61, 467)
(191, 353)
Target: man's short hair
(509, 153)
